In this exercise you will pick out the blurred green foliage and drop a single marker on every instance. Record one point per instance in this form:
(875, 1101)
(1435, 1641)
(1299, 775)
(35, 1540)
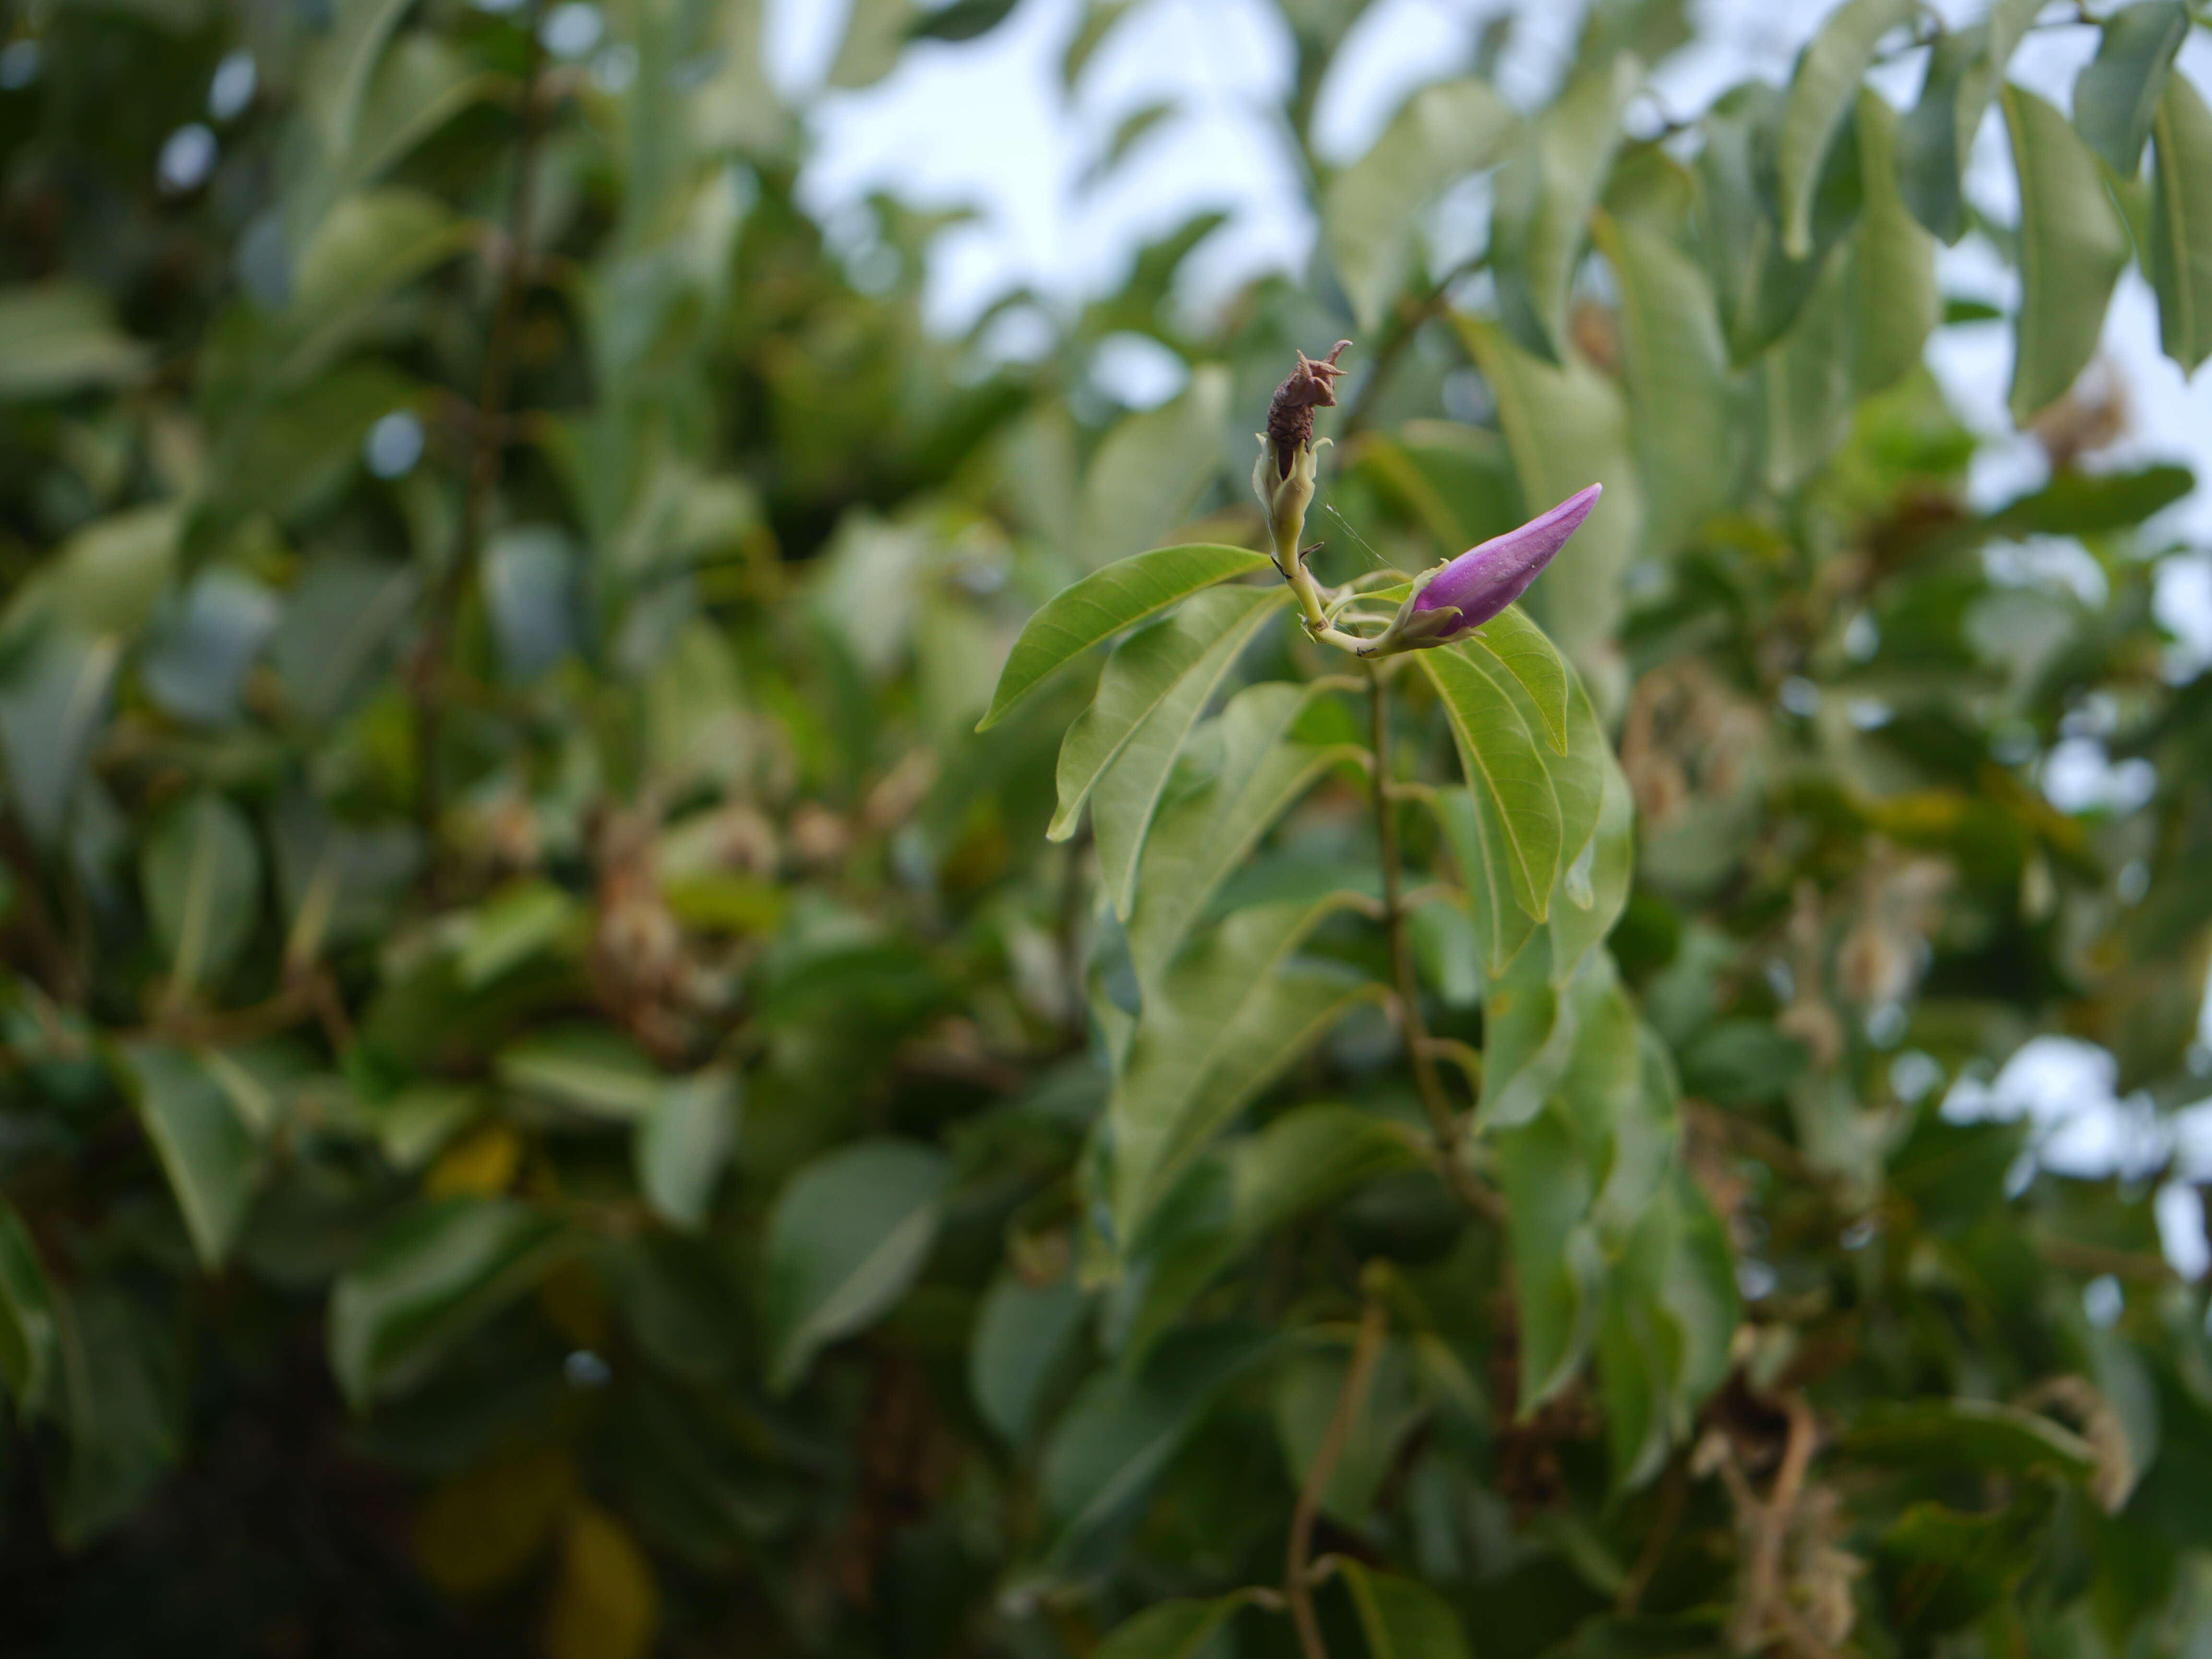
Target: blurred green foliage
(556, 1096)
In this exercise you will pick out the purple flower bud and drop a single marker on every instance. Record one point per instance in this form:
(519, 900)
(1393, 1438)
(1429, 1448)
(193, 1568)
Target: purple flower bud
(1483, 581)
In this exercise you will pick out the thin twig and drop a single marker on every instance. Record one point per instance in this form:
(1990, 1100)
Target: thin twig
(487, 434)
(1769, 1523)
(1443, 1123)
(1297, 1587)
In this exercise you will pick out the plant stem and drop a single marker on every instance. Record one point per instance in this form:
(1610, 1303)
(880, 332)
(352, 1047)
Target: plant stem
(1296, 1563)
(1443, 1123)
(432, 665)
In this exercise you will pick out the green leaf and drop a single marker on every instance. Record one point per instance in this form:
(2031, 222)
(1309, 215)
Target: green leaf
(586, 1068)
(1526, 651)
(1128, 797)
(338, 621)
(1307, 1387)
(369, 244)
(1565, 429)
(210, 1160)
(964, 19)
(52, 709)
(1206, 830)
(1121, 1429)
(110, 576)
(875, 31)
(1151, 469)
(2181, 223)
(1519, 808)
(522, 920)
(1371, 210)
(433, 1273)
(1981, 1433)
(1022, 1336)
(1172, 664)
(1228, 1015)
(202, 874)
(2073, 245)
(1893, 261)
(1477, 843)
(847, 1236)
(681, 1143)
(1171, 1629)
(1400, 1619)
(1934, 140)
(2087, 503)
(1810, 377)
(1557, 1269)
(60, 336)
(1306, 1156)
(1545, 194)
(122, 1383)
(1820, 95)
(1104, 603)
(28, 1353)
(1688, 426)
(1942, 1569)
(1760, 286)
(2116, 97)
(197, 661)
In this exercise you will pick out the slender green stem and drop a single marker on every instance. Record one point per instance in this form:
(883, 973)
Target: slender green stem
(1297, 1586)
(1420, 1053)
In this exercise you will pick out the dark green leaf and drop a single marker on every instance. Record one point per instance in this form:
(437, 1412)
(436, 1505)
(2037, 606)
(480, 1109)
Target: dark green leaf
(1964, 68)
(2181, 223)
(848, 1234)
(964, 19)
(1558, 1270)
(59, 337)
(1022, 1336)
(2117, 96)
(28, 1338)
(202, 874)
(1401, 1619)
(1171, 1629)
(432, 1273)
(205, 1150)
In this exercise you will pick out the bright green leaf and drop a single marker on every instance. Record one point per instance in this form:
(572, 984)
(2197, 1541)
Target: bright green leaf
(1104, 603)
(1504, 764)
(1202, 833)
(1525, 652)
(1162, 667)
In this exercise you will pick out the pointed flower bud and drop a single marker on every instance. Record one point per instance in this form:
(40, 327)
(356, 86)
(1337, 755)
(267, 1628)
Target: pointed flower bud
(1284, 476)
(1459, 597)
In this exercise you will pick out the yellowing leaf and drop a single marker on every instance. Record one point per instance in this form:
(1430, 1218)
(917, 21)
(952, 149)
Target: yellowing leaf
(607, 1605)
(480, 1165)
(481, 1528)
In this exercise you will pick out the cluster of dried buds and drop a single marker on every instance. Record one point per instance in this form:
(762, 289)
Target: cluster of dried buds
(1447, 602)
